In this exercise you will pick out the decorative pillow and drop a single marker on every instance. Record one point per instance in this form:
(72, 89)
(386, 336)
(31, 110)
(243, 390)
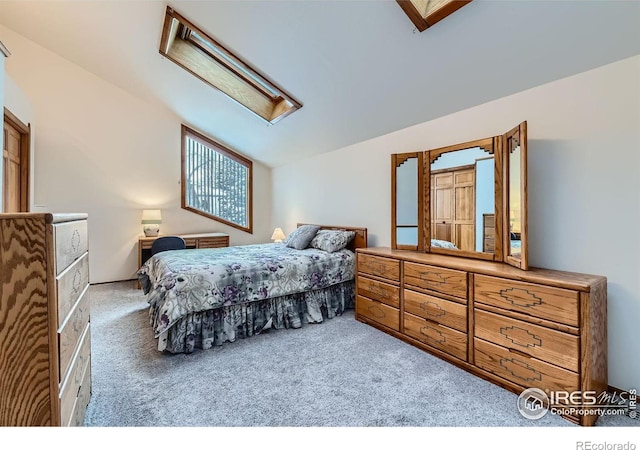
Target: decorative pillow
(301, 236)
(332, 240)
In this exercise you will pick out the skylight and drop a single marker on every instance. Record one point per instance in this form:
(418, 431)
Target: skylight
(425, 13)
(201, 55)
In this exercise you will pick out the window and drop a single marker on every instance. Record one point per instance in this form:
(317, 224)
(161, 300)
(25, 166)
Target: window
(201, 55)
(216, 181)
(425, 13)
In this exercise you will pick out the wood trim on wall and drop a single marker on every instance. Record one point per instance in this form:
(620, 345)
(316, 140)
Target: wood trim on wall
(25, 156)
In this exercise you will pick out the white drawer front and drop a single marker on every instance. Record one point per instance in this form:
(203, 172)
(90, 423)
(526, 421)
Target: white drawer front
(72, 384)
(71, 332)
(71, 241)
(71, 284)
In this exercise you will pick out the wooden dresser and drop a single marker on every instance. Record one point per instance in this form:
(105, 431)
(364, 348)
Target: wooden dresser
(518, 329)
(45, 338)
(488, 233)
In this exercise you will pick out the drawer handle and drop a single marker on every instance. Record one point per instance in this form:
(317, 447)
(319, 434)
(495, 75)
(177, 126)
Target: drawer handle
(433, 278)
(377, 267)
(427, 331)
(78, 375)
(376, 312)
(77, 280)
(78, 320)
(428, 308)
(378, 291)
(521, 337)
(520, 369)
(520, 297)
(75, 240)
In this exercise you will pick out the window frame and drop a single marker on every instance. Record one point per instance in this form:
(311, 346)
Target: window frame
(425, 19)
(223, 150)
(213, 63)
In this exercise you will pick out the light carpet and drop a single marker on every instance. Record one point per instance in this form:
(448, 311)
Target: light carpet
(340, 373)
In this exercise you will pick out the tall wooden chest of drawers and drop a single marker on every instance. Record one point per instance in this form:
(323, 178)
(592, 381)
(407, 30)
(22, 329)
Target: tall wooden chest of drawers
(45, 338)
(519, 329)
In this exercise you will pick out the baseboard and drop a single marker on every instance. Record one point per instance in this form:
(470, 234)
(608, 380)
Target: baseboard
(617, 391)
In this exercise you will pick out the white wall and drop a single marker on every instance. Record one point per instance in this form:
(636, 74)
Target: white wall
(16, 101)
(485, 196)
(103, 151)
(584, 188)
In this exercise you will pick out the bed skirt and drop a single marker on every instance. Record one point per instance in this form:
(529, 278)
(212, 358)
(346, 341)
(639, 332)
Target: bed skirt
(213, 328)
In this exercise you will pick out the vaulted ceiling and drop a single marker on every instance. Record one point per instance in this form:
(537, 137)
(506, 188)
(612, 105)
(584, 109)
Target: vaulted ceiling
(360, 68)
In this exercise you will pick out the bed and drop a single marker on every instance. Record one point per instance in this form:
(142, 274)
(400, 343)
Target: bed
(199, 299)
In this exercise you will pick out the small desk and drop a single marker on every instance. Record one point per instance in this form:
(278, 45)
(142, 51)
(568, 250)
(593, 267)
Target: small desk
(200, 240)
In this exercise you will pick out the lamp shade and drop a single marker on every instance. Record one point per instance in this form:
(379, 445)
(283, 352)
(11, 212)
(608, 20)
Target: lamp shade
(278, 235)
(151, 216)
(151, 220)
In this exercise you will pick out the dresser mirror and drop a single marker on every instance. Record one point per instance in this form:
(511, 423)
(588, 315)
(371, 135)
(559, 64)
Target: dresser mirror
(463, 199)
(516, 247)
(407, 201)
(467, 199)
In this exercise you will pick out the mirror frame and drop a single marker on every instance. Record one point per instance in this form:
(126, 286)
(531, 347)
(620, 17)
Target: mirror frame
(518, 134)
(397, 160)
(493, 147)
(498, 146)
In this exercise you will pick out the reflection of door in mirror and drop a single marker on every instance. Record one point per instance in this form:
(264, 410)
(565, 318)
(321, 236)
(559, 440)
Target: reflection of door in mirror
(407, 201)
(462, 190)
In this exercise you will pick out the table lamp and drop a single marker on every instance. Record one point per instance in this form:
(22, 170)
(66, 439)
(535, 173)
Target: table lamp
(151, 220)
(278, 235)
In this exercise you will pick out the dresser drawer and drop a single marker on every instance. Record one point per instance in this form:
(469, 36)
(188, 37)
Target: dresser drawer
(378, 312)
(555, 347)
(489, 245)
(524, 371)
(446, 281)
(70, 285)
(71, 331)
(71, 241)
(443, 338)
(379, 267)
(451, 314)
(73, 383)
(555, 304)
(215, 242)
(377, 290)
(82, 400)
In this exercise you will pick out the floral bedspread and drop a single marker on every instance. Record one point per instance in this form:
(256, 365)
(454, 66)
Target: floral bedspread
(180, 282)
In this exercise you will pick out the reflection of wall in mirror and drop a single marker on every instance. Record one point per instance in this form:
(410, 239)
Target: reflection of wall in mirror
(407, 202)
(458, 158)
(485, 198)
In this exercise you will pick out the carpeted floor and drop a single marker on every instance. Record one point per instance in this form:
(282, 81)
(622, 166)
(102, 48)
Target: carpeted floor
(341, 373)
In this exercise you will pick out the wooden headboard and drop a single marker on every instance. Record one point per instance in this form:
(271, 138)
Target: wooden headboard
(359, 241)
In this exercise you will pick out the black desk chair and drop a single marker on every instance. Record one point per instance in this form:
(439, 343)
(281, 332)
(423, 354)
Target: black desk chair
(167, 243)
